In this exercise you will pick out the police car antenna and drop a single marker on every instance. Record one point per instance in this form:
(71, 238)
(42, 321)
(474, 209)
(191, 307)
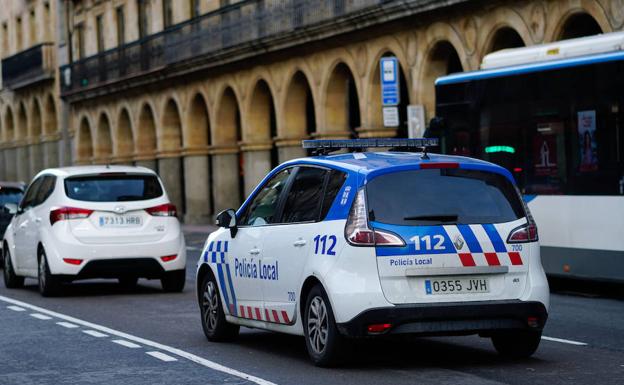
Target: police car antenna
(327, 146)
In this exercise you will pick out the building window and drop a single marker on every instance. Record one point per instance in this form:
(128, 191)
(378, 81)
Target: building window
(143, 18)
(99, 32)
(33, 27)
(195, 6)
(167, 13)
(80, 41)
(121, 26)
(18, 34)
(5, 39)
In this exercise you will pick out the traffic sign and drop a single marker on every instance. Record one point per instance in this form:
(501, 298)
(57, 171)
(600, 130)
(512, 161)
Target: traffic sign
(389, 68)
(391, 116)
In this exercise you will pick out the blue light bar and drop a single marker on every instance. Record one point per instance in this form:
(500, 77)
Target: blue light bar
(334, 144)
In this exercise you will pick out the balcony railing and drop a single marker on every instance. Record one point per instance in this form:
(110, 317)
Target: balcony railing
(28, 67)
(240, 25)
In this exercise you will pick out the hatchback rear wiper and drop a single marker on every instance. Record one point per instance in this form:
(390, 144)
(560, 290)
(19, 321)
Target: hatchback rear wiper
(433, 217)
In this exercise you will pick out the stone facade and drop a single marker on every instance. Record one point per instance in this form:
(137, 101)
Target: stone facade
(213, 134)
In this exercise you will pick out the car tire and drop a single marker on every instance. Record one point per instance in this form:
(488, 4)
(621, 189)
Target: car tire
(173, 281)
(11, 280)
(49, 285)
(128, 282)
(215, 326)
(319, 321)
(517, 344)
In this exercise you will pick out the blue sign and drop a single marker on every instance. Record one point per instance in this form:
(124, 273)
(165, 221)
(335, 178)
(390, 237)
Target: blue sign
(389, 72)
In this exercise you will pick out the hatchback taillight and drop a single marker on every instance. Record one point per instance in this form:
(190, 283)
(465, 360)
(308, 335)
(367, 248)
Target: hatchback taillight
(164, 210)
(65, 213)
(357, 231)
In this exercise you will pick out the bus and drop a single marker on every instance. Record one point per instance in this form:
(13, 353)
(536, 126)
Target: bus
(553, 115)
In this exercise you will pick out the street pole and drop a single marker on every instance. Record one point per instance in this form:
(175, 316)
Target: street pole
(64, 55)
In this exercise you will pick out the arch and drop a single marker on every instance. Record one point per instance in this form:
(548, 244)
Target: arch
(299, 110)
(228, 130)
(9, 125)
(84, 145)
(260, 125)
(22, 123)
(103, 147)
(49, 117)
(578, 24)
(124, 140)
(146, 132)
(170, 134)
(197, 123)
(441, 59)
(502, 38)
(342, 110)
(35, 128)
(374, 110)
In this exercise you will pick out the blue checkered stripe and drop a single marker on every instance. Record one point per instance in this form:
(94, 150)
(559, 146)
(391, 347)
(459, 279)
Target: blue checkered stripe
(216, 254)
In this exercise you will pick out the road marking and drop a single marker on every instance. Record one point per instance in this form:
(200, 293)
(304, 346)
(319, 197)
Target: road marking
(40, 316)
(67, 325)
(553, 339)
(16, 308)
(178, 352)
(95, 333)
(127, 344)
(162, 356)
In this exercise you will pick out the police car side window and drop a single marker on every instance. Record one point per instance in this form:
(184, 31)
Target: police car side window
(334, 184)
(304, 200)
(263, 209)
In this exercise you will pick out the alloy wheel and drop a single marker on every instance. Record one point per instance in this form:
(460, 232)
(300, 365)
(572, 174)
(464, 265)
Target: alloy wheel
(317, 325)
(210, 305)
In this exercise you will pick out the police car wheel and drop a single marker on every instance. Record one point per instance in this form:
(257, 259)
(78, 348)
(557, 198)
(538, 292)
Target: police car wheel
(11, 280)
(324, 342)
(173, 281)
(216, 328)
(49, 285)
(517, 344)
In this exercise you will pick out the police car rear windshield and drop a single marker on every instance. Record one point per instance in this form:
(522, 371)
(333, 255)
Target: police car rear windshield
(113, 188)
(442, 196)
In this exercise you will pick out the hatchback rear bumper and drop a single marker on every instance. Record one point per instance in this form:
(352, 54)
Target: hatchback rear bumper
(119, 268)
(455, 318)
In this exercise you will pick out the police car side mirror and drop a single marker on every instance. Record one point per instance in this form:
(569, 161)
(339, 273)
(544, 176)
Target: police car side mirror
(227, 219)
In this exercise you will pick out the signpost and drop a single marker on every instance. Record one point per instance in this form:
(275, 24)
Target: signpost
(390, 95)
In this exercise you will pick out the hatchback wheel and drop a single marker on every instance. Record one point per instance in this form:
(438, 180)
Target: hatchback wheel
(128, 282)
(216, 328)
(517, 344)
(173, 281)
(324, 342)
(49, 285)
(11, 280)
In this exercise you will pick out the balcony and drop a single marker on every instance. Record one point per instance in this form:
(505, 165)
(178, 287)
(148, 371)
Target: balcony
(231, 33)
(28, 67)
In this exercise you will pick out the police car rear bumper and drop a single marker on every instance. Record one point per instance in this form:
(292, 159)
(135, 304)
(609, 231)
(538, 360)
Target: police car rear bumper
(455, 318)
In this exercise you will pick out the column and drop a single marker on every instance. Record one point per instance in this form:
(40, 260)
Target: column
(256, 164)
(169, 169)
(197, 189)
(225, 178)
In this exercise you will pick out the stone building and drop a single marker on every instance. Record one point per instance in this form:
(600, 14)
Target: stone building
(213, 94)
(29, 95)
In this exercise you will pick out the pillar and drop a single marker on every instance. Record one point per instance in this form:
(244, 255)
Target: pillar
(197, 189)
(50, 154)
(22, 162)
(225, 180)
(257, 163)
(169, 172)
(35, 151)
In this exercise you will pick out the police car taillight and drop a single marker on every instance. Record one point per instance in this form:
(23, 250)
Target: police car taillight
(524, 233)
(357, 231)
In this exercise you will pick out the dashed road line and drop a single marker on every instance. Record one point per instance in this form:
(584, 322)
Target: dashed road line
(564, 341)
(178, 352)
(162, 356)
(127, 344)
(95, 333)
(40, 316)
(67, 325)
(16, 308)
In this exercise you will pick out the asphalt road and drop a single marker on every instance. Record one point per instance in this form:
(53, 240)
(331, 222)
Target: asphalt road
(145, 336)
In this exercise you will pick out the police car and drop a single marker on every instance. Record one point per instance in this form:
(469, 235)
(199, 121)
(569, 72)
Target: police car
(364, 244)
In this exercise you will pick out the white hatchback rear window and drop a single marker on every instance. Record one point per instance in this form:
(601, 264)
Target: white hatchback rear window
(113, 187)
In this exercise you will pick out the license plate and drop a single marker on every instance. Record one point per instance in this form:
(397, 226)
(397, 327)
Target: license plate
(457, 286)
(120, 221)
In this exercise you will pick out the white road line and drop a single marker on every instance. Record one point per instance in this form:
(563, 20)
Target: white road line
(95, 333)
(16, 308)
(40, 316)
(162, 356)
(127, 344)
(178, 352)
(67, 325)
(553, 339)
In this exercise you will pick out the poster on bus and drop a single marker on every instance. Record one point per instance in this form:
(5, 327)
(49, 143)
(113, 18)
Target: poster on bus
(545, 154)
(587, 140)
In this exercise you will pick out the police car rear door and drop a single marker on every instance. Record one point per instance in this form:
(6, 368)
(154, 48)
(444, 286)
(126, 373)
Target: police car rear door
(455, 223)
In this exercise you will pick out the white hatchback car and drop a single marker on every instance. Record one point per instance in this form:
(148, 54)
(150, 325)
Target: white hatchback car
(94, 222)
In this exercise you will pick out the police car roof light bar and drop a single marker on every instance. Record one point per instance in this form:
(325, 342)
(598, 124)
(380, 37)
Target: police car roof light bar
(326, 146)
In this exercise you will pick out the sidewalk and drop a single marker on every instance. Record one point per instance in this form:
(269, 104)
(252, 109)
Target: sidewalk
(201, 229)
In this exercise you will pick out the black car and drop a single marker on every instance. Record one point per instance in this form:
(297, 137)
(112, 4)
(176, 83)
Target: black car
(10, 192)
